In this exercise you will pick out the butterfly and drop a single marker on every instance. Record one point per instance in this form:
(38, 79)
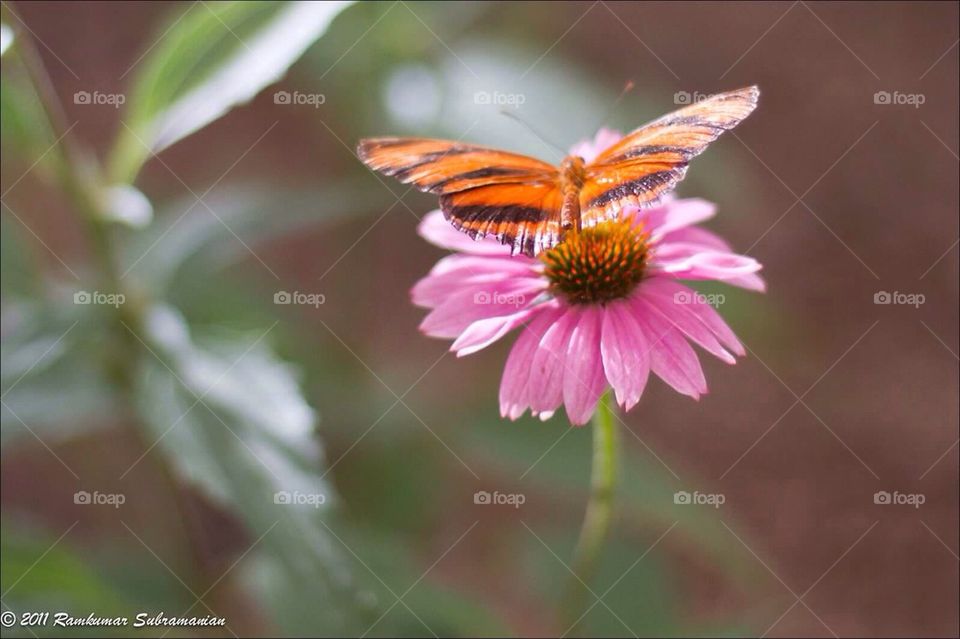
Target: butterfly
(531, 205)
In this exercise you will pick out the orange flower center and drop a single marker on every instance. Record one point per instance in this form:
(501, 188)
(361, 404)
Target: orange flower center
(599, 264)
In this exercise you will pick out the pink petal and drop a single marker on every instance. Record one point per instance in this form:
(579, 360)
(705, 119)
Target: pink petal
(695, 304)
(460, 262)
(484, 332)
(697, 235)
(455, 272)
(438, 231)
(583, 380)
(673, 309)
(750, 281)
(590, 149)
(692, 262)
(464, 307)
(671, 357)
(549, 361)
(514, 396)
(625, 354)
(676, 214)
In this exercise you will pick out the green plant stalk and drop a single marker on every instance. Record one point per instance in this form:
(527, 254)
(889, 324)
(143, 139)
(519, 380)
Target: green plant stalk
(77, 170)
(82, 181)
(599, 513)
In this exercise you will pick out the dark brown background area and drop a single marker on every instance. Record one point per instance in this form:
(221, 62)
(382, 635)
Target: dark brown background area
(838, 398)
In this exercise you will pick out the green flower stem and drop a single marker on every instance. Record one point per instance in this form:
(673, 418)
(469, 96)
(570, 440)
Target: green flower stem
(599, 513)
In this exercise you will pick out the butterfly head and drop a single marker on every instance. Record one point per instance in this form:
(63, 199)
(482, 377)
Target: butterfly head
(573, 170)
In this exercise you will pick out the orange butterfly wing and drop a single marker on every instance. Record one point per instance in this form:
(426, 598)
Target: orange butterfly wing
(651, 160)
(519, 199)
(483, 191)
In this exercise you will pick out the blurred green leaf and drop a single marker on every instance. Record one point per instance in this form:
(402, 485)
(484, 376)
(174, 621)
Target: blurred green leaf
(214, 57)
(232, 421)
(189, 238)
(387, 463)
(639, 593)
(18, 269)
(639, 598)
(53, 349)
(26, 137)
(645, 493)
(386, 570)
(61, 582)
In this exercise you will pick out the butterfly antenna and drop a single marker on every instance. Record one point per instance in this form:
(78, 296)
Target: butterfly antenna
(627, 88)
(529, 127)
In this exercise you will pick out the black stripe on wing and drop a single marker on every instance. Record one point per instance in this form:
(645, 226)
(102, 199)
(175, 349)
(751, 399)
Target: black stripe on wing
(651, 185)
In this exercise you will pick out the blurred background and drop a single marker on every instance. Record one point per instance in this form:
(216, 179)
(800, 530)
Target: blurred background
(216, 400)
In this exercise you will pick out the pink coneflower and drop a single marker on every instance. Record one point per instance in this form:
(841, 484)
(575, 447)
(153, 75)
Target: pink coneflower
(602, 309)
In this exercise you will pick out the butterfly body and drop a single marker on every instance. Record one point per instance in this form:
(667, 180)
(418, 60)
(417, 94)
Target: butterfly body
(531, 205)
(572, 175)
